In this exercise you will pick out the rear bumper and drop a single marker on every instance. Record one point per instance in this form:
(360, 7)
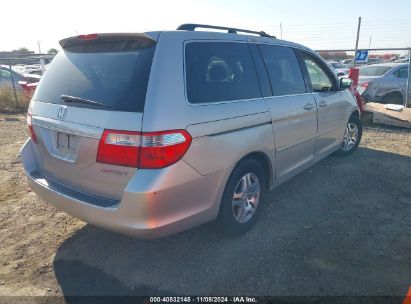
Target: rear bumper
(155, 203)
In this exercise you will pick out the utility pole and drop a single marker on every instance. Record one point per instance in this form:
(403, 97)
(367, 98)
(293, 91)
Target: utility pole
(358, 38)
(38, 43)
(281, 30)
(369, 44)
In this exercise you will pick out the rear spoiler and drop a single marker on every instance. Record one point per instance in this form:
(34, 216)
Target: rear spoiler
(107, 42)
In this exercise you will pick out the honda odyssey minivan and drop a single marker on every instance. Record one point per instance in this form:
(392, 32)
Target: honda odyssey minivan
(153, 133)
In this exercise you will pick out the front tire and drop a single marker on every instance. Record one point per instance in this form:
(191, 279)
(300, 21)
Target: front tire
(241, 202)
(352, 137)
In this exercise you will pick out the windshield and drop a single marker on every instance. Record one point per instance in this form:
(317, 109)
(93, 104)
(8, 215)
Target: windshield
(374, 70)
(117, 80)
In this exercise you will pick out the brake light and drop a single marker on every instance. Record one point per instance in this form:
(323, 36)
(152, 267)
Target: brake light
(88, 37)
(151, 150)
(162, 149)
(119, 148)
(361, 89)
(30, 126)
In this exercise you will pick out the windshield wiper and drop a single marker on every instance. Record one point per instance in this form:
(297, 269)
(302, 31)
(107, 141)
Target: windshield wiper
(68, 98)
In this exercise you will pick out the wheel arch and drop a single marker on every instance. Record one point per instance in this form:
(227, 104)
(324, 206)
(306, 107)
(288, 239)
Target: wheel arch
(355, 113)
(389, 95)
(266, 165)
(396, 92)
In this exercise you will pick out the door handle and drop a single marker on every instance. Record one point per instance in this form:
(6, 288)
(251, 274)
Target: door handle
(308, 106)
(322, 103)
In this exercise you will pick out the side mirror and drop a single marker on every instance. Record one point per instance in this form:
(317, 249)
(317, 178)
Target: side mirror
(345, 83)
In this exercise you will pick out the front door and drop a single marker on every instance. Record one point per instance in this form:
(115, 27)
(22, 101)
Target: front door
(331, 103)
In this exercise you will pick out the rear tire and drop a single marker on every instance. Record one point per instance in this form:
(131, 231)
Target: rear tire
(242, 198)
(352, 137)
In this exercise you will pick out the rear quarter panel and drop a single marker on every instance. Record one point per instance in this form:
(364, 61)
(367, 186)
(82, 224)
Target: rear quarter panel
(221, 144)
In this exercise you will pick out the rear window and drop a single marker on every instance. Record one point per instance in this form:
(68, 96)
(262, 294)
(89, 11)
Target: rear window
(373, 70)
(220, 71)
(118, 80)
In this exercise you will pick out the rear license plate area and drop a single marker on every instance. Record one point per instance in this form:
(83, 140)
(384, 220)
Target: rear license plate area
(66, 144)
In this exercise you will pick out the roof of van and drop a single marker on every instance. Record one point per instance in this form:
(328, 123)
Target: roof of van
(152, 36)
(203, 34)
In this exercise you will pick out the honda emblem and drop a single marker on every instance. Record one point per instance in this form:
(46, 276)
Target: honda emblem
(61, 114)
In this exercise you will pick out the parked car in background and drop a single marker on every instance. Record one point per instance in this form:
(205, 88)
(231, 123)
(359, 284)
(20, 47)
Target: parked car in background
(385, 82)
(339, 68)
(226, 118)
(38, 72)
(374, 60)
(7, 74)
(402, 60)
(29, 68)
(347, 63)
(34, 69)
(26, 82)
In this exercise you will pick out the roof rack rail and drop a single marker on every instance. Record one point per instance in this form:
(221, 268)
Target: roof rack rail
(231, 30)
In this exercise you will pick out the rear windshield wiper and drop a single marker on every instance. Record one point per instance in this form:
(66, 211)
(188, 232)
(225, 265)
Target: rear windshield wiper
(68, 98)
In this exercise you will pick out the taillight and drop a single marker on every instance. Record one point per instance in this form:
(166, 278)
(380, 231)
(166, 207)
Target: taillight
(119, 148)
(152, 150)
(361, 89)
(162, 149)
(30, 126)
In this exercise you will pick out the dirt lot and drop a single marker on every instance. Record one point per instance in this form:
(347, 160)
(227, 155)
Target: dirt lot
(342, 227)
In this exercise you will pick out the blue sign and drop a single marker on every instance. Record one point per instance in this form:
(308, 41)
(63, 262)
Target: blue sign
(361, 56)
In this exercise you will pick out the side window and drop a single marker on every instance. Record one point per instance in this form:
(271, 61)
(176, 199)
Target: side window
(220, 71)
(283, 69)
(320, 81)
(402, 73)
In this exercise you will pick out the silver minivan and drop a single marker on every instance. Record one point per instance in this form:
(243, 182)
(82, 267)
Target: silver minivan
(153, 133)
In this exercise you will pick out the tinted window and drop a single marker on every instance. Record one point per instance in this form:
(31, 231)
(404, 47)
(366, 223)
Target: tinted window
(115, 79)
(220, 71)
(320, 81)
(377, 70)
(284, 70)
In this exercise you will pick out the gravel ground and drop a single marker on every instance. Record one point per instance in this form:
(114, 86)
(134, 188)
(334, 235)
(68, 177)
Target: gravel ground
(341, 227)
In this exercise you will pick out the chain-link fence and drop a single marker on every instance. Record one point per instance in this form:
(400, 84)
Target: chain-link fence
(388, 43)
(18, 79)
(384, 73)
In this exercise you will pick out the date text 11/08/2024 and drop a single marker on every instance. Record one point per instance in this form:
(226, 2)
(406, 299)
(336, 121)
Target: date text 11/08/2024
(203, 299)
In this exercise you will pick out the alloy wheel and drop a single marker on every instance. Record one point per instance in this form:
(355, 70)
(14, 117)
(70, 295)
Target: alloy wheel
(350, 136)
(246, 197)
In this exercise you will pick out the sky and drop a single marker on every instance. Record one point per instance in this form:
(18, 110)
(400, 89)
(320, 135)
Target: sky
(317, 24)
